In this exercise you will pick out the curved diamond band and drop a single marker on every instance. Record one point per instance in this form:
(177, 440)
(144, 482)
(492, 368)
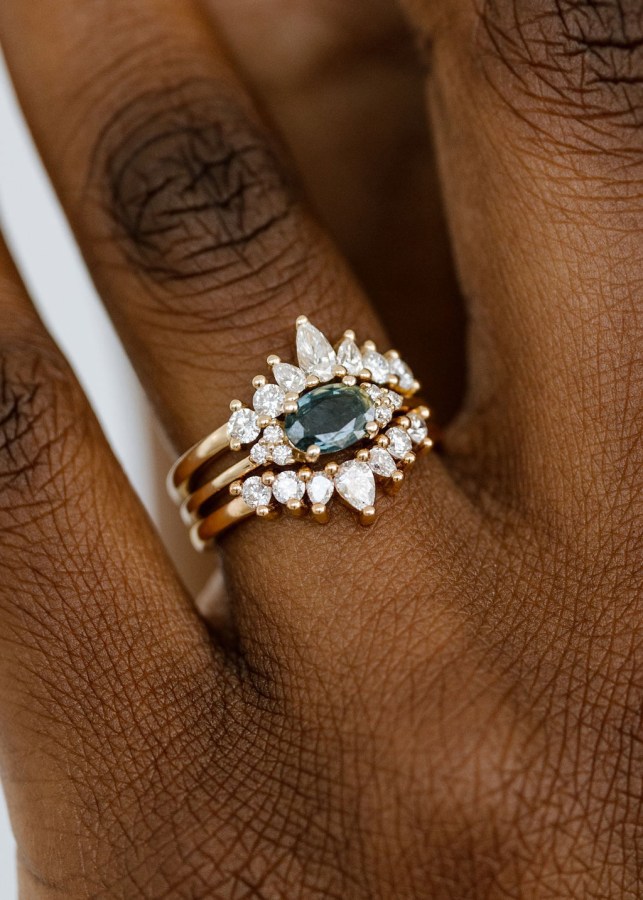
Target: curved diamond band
(338, 422)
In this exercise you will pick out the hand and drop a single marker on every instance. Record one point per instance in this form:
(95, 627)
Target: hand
(448, 704)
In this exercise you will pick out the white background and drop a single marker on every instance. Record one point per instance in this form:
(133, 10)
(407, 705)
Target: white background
(44, 249)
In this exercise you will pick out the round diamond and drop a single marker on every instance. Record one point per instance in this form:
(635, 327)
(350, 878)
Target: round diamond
(417, 430)
(373, 391)
(282, 455)
(405, 376)
(269, 400)
(255, 492)
(288, 486)
(399, 442)
(320, 488)
(259, 453)
(377, 365)
(289, 377)
(396, 400)
(273, 434)
(383, 415)
(242, 426)
(381, 462)
(355, 483)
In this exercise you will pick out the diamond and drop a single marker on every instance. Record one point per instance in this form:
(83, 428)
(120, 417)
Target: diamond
(242, 426)
(331, 417)
(269, 400)
(348, 355)
(290, 378)
(288, 486)
(396, 400)
(383, 415)
(381, 462)
(320, 488)
(417, 430)
(255, 492)
(405, 376)
(273, 434)
(355, 483)
(399, 442)
(377, 365)
(282, 455)
(259, 454)
(373, 391)
(314, 352)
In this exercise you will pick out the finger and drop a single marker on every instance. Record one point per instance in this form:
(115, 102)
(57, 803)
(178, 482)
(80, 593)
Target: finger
(344, 85)
(537, 110)
(103, 664)
(180, 197)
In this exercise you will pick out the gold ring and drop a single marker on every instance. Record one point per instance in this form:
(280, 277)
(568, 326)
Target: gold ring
(352, 408)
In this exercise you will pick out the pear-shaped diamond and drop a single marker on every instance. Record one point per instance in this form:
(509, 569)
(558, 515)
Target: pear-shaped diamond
(289, 377)
(354, 482)
(348, 355)
(314, 352)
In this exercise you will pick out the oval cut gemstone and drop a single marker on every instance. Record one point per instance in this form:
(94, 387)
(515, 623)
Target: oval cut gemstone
(333, 417)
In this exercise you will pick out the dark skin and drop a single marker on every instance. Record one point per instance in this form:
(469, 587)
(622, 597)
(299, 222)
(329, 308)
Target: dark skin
(446, 705)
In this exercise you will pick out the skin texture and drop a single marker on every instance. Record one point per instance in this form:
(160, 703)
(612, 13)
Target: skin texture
(447, 705)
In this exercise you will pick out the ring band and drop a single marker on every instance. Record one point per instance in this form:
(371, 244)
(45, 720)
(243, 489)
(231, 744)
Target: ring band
(338, 422)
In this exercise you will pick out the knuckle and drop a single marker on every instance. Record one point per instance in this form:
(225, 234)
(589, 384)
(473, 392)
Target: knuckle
(572, 60)
(197, 194)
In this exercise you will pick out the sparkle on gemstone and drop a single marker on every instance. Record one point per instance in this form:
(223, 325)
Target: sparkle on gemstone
(332, 417)
(288, 486)
(396, 400)
(289, 377)
(282, 455)
(273, 434)
(255, 493)
(381, 462)
(417, 430)
(320, 488)
(259, 453)
(399, 442)
(377, 365)
(373, 391)
(383, 415)
(269, 400)
(348, 355)
(404, 374)
(314, 352)
(242, 426)
(354, 482)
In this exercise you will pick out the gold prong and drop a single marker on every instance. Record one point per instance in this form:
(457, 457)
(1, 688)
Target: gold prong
(235, 445)
(392, 354)
(349, 334)
(290, 406)
(369, 346)
(258, 381)
(339, 371)
(305, 474)
(331, 469)
(365, 375)
(320, 512)
(423, 411)
(263, 511)
(268, 478)
(236, 488)
(367, 515)
(273, 360)
(301, 320)
(263, 421)
(295, 507)
(312, 381)
(425, 445)
(403, 422)
(415, 387)
(350, 380)
(291, 397)
(372, 428)
(392, 380)
(313, 453)
(409, 458)
(235, 405)
(382, 441)
(395, 481)
(362, 455)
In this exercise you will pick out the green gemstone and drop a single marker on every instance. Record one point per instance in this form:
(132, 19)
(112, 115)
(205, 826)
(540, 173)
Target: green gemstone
(332, 417)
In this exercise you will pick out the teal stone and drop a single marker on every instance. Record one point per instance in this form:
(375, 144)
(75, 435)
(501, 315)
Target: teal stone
(333, 417)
